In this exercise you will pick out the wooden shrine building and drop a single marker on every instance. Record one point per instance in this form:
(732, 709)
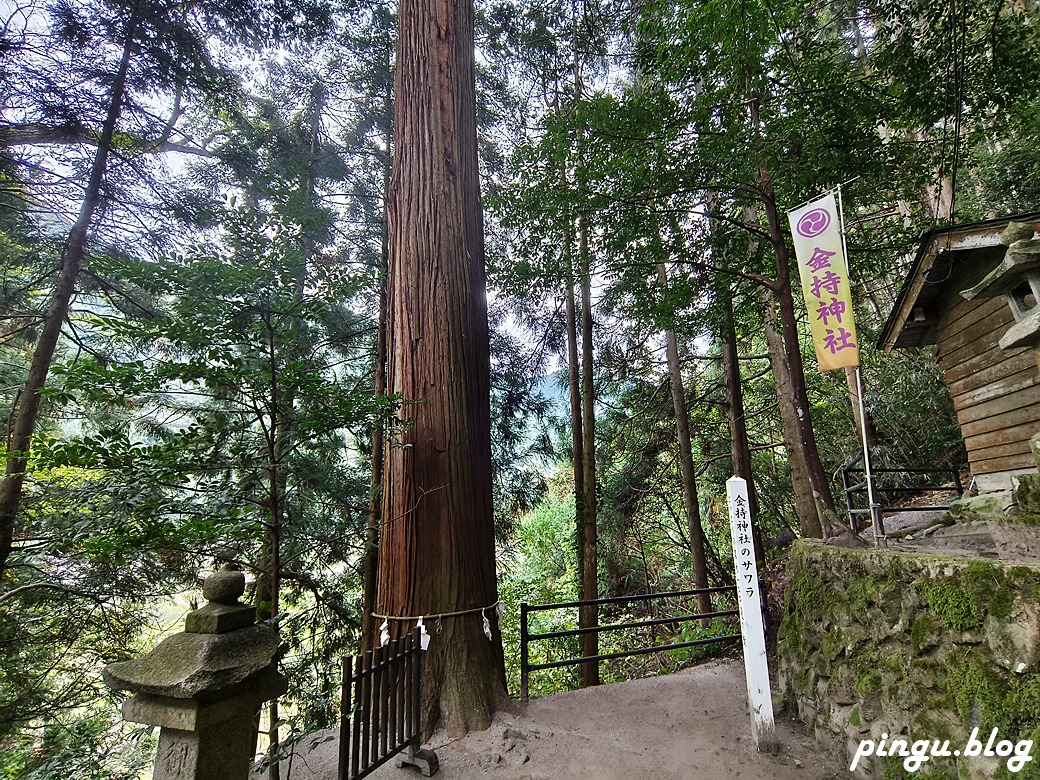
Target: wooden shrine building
(978, 301)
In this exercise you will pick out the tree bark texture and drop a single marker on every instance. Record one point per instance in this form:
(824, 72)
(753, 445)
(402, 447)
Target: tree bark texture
(689, 473)
(798, 399)
(740, 448)
(862, 420)
(804, 503)
(577, 440)
(437, 551)
(71, 260)
(589, 616)
(370, 564)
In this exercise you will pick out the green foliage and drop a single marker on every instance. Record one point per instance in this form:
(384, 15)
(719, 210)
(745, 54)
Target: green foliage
(234, 381)
(96, 747)
(546, 567)
(235, 355)
(675, 138)
(693, 631)
(986, 56)
(541, 568)
(246, 419)
(911, 407)
(221, 388)
(522, 449)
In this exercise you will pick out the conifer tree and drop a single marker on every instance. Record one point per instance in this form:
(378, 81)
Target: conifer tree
(437, 554)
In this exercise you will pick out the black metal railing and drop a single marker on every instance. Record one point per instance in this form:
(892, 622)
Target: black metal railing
(857, 485)
(380, 717)
(527, 636)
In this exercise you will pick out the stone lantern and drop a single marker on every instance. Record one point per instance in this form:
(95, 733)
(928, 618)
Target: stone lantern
(203, 687)
(1017, 278)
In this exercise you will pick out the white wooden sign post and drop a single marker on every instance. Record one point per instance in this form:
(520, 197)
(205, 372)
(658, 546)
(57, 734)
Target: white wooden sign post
(752, 630)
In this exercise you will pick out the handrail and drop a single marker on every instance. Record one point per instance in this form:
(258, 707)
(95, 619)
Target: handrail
(626, 599)
(637, 624)
(847, 469)
(526, 636)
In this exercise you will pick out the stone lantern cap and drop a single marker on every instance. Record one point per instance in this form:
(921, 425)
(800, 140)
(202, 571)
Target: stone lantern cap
(1022, 256)
(224, 612)
(1017, 278)
(220, 651)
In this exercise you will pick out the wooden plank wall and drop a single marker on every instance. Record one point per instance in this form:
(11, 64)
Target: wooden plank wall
(996, 392)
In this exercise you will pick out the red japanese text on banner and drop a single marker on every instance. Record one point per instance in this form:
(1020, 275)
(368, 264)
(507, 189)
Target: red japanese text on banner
(825, 282)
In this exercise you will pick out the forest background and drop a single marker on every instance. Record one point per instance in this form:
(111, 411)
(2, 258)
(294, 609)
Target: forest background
(192, 255)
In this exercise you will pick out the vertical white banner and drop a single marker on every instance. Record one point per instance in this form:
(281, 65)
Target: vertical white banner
(824, 272)
(752, 628)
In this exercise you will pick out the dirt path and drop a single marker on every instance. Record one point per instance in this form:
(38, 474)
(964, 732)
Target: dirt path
(686, 726)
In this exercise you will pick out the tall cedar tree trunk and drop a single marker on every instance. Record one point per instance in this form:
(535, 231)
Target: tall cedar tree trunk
(858, 410)
(574, 393)
(689, 474)
(371, 560)
(740, 448)
(798, 401)
(437, 552)
(577, 440)
(804, 503)
(590, 566)
(71, 260)
(282, 407)
(268, 583)
(588, 617)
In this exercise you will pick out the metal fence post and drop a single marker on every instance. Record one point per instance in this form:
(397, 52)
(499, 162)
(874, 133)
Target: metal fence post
(523, 651)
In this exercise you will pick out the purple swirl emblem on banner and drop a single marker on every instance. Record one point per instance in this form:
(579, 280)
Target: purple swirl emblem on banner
(814, 222)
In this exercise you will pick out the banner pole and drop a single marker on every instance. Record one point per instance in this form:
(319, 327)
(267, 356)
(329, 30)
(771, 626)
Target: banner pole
(876, 519)
(875, 506)
(836, 187)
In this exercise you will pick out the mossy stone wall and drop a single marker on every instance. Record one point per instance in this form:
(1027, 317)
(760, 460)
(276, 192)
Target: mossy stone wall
(913, 646)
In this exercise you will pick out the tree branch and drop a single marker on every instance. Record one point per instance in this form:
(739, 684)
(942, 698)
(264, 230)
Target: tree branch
(40, 134)
(314, 587)
(49, 585)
